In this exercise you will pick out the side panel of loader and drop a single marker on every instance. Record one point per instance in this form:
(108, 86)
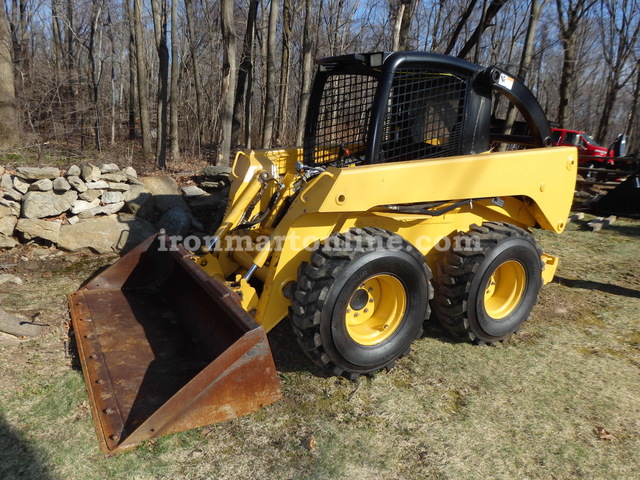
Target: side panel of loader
(529, 187)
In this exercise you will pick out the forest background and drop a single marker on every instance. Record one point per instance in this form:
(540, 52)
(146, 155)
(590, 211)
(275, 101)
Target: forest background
(157, 80)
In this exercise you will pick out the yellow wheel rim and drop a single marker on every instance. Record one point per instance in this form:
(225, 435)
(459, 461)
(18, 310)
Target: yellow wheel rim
(504, 290)
(375, 310)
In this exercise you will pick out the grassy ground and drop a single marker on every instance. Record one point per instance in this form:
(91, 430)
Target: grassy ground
(560, 401)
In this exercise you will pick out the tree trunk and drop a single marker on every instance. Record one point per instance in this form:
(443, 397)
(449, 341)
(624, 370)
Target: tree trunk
(525, 60)
(409, 8)
(609, 103)
(285, 62)
(9, 117)
(228, 83)
(620, 33)
(395, 42)
(631, 127)
(19, 28)
(95, 66)
(58, 49)
(459, 27)
(114, 77)
(132, 72)
(143, 89)
(567, 78)
(175, 94)
(270, 101)
(159, 8)
(492, 10)
(71, 89)
(568, 36)
(307, 70)
(244, 86)
(195, 71)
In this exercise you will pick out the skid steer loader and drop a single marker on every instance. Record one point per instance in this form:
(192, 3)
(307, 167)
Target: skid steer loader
(395, 211)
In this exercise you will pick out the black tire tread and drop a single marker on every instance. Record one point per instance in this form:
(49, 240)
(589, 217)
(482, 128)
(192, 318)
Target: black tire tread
(315, 279)
(455, 272)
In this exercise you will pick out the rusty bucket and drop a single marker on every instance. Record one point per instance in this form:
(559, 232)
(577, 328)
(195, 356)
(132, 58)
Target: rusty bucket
(165, 348)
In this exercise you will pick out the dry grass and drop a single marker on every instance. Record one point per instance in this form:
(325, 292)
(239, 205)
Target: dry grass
(560, 401)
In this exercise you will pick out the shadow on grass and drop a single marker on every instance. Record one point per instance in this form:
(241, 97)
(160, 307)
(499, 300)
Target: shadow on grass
(289, 357)
(18, 459)
(628, 230)
(603, 287)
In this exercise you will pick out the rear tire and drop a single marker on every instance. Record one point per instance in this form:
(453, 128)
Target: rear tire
(486, 291)
(360, 301)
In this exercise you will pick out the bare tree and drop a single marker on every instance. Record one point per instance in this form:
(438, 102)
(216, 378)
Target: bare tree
(285, 63)
(228, 79)
(461, 24)
(132, 71)
(95, 67)
(570, 15)
(405, 10)
(114, 75)
(9, 124)
(525, 59)
(196, 71)
(631, 128)
(307, 65)
(18, 25)
(620, 28)
(63, 95)
(244, 88)
(143, 89)
(71, 93)
(486, 19)
(56, 39)
(270, 100)
(174, 99)
(159, 10)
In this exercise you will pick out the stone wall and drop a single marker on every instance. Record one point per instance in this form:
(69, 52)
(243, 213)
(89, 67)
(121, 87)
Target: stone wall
(103, 208)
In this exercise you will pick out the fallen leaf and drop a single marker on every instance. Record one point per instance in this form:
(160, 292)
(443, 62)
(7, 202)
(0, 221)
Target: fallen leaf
(603, 434)
(312, 443)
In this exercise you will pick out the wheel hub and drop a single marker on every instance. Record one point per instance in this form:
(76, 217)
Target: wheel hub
(375, 310)
(359, 299)
(505, 289)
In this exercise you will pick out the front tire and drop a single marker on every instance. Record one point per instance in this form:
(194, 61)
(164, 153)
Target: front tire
(360, 301)
(485, 291)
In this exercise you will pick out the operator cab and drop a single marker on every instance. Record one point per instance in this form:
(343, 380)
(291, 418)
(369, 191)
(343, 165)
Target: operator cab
(387, 107)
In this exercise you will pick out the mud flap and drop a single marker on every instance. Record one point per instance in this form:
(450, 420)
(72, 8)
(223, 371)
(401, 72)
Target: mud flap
(166, 348)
